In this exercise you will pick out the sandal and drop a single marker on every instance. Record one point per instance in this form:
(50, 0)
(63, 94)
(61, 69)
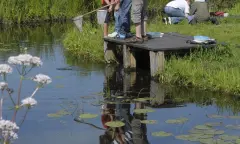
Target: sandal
(134, 40)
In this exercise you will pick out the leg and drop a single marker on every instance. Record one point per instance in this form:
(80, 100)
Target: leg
(137, 16)
(176, 15)
(125, 8)
(144, 18)
(117, 20)
(105, 26)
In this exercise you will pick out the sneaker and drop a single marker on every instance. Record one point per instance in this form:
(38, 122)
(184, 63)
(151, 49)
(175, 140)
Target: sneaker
(134, 40)
(169, 20)
(165, 20)
(112, 35)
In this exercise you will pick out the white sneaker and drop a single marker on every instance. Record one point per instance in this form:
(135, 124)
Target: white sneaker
(114, 34)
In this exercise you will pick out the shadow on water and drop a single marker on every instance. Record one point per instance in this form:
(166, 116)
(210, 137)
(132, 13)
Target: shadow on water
(139, 106)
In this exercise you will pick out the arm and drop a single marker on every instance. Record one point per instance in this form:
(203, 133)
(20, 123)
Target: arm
(187, 8)
(193, 9)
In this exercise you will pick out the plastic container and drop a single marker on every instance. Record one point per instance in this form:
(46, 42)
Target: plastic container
(155, 34)
(101, 16)
(78, 22)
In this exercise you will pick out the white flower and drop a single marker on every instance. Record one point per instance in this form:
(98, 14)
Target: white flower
(29, 101)
(3, 85)
(25, 59)
(36, 61)
(8, 129)
(42, 79)
(5, 68)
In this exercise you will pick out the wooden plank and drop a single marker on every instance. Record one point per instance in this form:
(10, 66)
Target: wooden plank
(157, 94)
(109, 54)
(156, 62)
(129, 60)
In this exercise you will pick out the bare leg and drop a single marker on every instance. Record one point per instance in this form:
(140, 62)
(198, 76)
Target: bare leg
(138, 30)
(105, 30)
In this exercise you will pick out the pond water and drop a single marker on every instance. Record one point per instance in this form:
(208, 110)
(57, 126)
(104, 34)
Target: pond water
(111, 94)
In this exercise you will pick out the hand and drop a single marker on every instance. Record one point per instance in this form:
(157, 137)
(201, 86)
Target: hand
(110, 8)
(117, 1)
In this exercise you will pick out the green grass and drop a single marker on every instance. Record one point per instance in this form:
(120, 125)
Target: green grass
(86, 45)
(216, 69)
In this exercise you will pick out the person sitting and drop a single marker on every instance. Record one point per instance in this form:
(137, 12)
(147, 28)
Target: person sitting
(200, 12)
(176, 10)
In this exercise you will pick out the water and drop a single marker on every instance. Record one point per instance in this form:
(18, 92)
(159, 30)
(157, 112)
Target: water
(85, 88)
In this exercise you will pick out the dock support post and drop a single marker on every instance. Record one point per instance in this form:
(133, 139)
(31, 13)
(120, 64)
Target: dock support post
(109, 52)
(129, 60)
(129, 79)
(156, 62)
(157, 94)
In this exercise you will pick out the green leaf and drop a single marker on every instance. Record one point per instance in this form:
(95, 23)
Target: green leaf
(143, 110)
(115, 124)
(88, 116)
(149, 121)
(214, 124)
(58, 114)
(177, 121)
(202, 127)
(228, 137)
(183, 137)
(216, 116)
(161, 134)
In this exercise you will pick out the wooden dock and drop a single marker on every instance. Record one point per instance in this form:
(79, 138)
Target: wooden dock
(156, 48)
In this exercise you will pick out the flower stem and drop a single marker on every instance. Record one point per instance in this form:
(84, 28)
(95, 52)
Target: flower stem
(12, 99)
(19, 89)
(1, 103)
(34, 92)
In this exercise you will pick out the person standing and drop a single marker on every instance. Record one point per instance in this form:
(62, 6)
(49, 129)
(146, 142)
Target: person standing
(139, 18)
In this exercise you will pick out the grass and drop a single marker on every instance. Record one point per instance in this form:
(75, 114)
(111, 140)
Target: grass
(85, 45)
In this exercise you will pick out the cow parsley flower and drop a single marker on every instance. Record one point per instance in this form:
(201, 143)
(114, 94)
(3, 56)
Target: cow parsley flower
(8, 129)
(25, 59)
(42, 79)
(3, 85)
(36, 61)
(5, 68)
(29, 101)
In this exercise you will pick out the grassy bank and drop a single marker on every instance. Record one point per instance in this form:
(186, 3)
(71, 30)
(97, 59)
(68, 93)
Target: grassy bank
(85, 45)
(216, 69)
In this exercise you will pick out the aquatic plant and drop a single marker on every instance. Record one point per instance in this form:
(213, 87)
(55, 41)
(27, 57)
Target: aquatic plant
(23, 63)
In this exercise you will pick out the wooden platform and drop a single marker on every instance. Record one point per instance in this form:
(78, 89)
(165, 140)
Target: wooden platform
(156, 48)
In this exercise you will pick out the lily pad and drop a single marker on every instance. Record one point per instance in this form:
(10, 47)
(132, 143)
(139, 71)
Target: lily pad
(58, 114)
(143, 110)
(234, 117)
(228, 137)
(149, 121)
(214, 124)
(216, 116)
(202, 127)
(207, 141)
(88, 116)
(115, 124)
(234, 127)
(182, 137)
(176, 121)
(161, 134)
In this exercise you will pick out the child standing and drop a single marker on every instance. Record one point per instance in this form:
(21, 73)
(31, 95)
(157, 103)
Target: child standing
(139, 18)
(113, 4)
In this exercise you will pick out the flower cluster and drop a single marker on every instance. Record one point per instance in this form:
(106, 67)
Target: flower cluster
(42, 79)
(29, 101)
(8, 129)
(3, 85)
(5, 68)
(25, 59)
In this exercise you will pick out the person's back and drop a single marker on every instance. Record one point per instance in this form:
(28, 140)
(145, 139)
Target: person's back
(200, 10)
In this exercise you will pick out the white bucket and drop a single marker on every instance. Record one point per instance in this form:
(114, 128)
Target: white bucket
(101, 16)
